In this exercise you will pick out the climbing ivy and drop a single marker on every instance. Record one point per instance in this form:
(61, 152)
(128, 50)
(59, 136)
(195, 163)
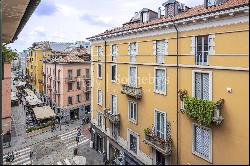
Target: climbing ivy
(200, 110)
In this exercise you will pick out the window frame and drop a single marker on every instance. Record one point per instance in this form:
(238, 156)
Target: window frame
(78, 98)
(100, 104)
(131, 132)
(210, 82)
(129, 111)
(155, 79)
(116, 111)
(100, 114)
(99, 74)
(78, 71)
(209, 159)
(71, 100)
(99, 53)
(136, 75)
(112, 65)
(203, 51)
(69, 86)
(165, 125)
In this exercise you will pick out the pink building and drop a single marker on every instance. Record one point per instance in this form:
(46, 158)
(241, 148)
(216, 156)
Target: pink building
(67, 85)
(6, 102)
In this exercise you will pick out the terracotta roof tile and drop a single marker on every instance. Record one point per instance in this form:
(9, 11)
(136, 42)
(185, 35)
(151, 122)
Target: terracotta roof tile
(194, 11)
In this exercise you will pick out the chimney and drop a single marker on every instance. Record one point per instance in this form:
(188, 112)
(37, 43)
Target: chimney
(205, 3)
(159, 12)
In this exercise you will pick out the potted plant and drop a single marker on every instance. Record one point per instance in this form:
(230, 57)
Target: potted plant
(147, 131)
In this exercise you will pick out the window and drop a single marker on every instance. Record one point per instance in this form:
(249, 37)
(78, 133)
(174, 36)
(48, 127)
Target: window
(144, 17)
(99, 52)
(113, 73)
(160, 51)
(114, 52)
(113, 104)
(78, 98)
(88, 85)
(99, 71)
(87, 73)
(160, 124)
(99, 97)
(201, 56)
(100, 117)
(132, 77)
(133, 51)
(133, 141)
(202, 85)
(70, 100)
(202, 142)
(70, 74)
(78, 85)
(160, 81)
(78, 72)
(70, 86)
(115, 130)
(87, 96)
(133, 111)
(211, 2)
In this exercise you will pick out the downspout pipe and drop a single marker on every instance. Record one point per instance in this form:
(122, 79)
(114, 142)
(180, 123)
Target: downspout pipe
(1, 77)
(177, 88)
(105, 79)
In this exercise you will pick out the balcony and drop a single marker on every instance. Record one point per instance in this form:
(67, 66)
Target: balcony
(113, 118)
(71, 79)
(163, 146)
(132, 91)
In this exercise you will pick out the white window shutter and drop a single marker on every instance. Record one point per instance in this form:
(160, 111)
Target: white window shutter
(193, 45)
(154, 47)
(101, 50)
(166, 46)
(137, 48)
(206, 88)
(117, 50)
(129, 48)
(111, 50)
(211, 44)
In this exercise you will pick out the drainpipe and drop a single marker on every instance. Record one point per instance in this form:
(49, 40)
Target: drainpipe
(177, 97)
(1, 75)
(105, 81)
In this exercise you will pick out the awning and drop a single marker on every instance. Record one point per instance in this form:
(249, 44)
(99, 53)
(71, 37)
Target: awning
(43, 112)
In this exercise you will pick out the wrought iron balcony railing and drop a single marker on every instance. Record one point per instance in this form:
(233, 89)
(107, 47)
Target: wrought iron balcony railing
(132, 91)
(163, 146)
(113, 118)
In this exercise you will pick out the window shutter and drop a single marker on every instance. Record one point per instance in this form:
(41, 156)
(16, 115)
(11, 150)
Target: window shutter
(101, 50)
(193, 45)
(166, 46)
(205, 81)
(129, 45)
(198, 85)
(211, 44)
(137, 48)
(116, 53)
(154, 47)
(111, 50)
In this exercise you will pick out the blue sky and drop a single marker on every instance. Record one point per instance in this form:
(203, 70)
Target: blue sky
(75, 20)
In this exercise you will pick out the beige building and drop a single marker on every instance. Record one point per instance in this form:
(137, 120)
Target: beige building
(66, 80)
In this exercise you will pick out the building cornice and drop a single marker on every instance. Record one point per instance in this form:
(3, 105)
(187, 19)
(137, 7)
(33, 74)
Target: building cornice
(185, 23)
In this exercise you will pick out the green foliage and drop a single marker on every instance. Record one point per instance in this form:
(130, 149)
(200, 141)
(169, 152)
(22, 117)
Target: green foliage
(8, 53)
(200, 110)
(39, 127)
(147, 131)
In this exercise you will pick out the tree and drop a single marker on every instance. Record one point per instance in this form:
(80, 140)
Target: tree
(8, 53)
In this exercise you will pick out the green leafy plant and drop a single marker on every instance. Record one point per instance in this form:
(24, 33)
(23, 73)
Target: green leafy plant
(8, 53)
(147, 131)
(200, 110)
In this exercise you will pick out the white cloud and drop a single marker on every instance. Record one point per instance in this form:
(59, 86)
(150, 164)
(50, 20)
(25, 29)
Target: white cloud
(67, 23)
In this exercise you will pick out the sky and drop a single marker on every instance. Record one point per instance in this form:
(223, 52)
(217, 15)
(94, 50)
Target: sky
(75, 20)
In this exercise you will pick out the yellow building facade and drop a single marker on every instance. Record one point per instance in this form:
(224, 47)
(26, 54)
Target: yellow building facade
(35, 67)
(138, 70)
